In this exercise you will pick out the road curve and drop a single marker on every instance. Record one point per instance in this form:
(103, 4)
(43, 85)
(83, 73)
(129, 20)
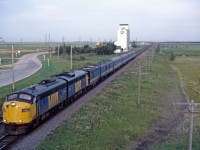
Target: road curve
(26, 66)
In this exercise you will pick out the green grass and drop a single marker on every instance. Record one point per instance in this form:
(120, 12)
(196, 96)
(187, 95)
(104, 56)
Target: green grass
(180, 50)
(112, 120)
(188, 70)
(36, 45)
(55, 67)
(6, 57)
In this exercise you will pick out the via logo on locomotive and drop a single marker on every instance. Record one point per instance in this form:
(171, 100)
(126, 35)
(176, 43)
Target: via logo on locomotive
(53, 100)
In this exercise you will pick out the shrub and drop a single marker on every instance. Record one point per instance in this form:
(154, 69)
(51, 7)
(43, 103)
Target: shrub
(172, 56)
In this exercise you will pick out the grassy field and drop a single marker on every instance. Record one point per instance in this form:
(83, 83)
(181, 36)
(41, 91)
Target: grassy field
(188, 69)
(55, 67)
(182, 50)
(112, 120)
(6, 58)
(36, 45)
(6, 52)
(189, 74)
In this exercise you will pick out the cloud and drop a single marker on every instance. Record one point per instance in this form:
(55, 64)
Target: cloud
(154, 19)
(47, 7)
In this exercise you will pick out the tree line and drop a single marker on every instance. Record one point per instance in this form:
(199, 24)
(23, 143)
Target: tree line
(105, 49)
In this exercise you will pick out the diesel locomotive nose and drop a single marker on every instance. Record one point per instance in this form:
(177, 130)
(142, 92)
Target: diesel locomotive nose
(15, 112)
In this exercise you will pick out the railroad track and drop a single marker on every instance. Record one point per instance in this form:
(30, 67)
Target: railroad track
(6, 140)
(1, 118)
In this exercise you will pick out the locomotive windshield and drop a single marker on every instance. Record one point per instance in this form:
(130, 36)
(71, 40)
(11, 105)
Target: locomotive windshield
(19, 97)
(12, 97)
(25, 97)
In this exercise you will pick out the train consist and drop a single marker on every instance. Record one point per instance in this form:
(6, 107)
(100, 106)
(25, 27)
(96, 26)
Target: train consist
(30, 106)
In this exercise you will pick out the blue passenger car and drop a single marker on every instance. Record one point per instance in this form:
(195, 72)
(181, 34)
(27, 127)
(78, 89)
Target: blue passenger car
(105, 67)
(93, 74)
(131, 55)
(124, 58)
(117, 62)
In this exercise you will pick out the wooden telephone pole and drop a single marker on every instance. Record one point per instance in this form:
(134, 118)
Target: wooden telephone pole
(13, 74)
(138, 71)
(71, 57)
(191, 110)
(139, 67)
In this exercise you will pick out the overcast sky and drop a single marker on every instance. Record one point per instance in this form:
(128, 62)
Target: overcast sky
(86, 20)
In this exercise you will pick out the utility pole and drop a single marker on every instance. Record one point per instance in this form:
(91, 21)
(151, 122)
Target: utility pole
(45, 36)
(149, 59)
(49, 39)
(63, 39)
(138, 72)
(58, 52)
(13, 76)
(147, 64)
(139, 77)
(40, 44)
(191, 110)
(48, 62)
(50, 54)
(71, 57)
(21, 42)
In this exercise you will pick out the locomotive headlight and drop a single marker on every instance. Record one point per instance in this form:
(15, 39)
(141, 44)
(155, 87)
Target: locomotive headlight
(4, 120)
(13, 104)
(25, 109)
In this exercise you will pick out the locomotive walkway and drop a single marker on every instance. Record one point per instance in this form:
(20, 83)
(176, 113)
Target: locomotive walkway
(26, 66)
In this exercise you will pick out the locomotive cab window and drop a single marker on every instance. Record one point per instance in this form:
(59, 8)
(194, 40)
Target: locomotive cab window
(19, 97)
(25, 97)
(11, 97)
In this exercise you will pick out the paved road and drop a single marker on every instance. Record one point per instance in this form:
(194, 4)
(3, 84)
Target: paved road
(26, 66)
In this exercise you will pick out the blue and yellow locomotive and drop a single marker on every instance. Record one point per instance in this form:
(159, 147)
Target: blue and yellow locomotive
(30, 106)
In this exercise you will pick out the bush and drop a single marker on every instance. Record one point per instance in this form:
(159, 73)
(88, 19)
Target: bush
(106, 49)
(172, 56)
(82, 58)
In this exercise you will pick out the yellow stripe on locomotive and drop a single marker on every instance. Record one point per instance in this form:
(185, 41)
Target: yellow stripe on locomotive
(53, 100)
(15, 112)
(78, 86)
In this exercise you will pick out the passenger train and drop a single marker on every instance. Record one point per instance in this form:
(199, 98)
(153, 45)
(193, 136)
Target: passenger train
(31, 105)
